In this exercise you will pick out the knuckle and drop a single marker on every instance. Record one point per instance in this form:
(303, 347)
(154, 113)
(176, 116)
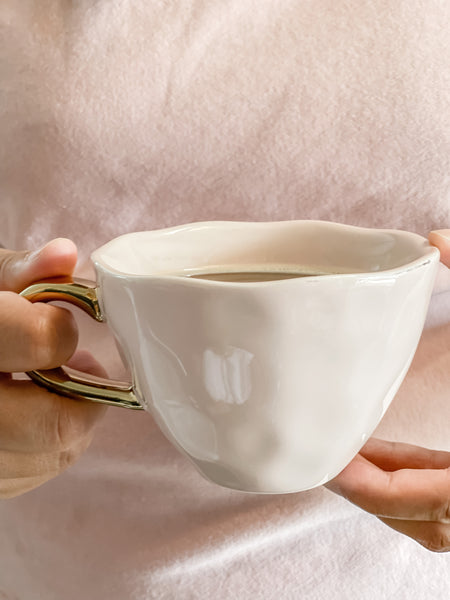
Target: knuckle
(58, 430)
(67, 458)
(53, 338)
(438, 539)
(447, 500)
(70, 455)
(6, 261)
(67, 425)
(41, 345)
(66, 430)
(441, 510)
(446, 512)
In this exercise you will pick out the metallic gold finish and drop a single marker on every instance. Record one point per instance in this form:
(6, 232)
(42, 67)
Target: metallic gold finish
(84, 295)
(76, 292)
(59, 381)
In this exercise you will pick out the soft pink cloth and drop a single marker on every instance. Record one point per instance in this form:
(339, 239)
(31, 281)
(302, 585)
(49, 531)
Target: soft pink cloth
(119, 116)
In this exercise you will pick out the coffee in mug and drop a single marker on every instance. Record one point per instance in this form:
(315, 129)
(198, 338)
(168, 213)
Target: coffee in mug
(252, 273)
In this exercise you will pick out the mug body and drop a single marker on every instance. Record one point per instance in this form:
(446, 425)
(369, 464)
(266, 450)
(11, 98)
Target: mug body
(269, 386)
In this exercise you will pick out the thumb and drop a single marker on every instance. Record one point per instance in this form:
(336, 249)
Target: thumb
(441, 239)
(19, 269)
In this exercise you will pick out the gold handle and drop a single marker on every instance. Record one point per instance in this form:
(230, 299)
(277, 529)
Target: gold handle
(83, 294)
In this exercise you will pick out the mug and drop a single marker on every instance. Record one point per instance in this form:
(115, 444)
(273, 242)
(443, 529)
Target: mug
(268, 386)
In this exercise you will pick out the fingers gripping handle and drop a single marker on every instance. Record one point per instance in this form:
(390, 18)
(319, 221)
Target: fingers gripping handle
(84, 295)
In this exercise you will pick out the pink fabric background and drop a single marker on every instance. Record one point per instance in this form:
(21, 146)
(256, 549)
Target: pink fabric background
(120, 116)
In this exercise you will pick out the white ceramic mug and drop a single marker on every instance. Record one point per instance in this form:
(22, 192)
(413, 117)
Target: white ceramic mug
(267, 386)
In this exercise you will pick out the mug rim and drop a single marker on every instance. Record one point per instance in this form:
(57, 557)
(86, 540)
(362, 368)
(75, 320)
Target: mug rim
(428, 253)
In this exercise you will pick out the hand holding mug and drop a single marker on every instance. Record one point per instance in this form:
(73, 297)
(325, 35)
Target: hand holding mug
(41, 433)
(406, 486)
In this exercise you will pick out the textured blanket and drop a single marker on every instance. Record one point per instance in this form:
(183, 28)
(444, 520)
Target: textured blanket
(128, 115)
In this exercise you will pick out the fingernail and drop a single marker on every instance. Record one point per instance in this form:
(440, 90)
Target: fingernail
(442, 233)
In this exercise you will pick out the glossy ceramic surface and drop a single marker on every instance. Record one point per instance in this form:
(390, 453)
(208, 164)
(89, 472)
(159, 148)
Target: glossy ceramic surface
(273, 386)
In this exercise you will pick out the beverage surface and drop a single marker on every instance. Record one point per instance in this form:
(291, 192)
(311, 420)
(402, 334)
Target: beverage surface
(252, 274)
